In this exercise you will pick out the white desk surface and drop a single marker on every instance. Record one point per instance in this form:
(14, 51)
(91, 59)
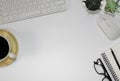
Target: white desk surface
(58, 47)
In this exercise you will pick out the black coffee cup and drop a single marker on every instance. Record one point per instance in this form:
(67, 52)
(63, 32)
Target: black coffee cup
(8, 48)
(5, 49)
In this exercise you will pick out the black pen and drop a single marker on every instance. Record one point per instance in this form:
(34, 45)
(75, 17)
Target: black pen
(115, 58)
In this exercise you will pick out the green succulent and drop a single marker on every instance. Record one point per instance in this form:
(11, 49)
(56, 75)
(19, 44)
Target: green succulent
(111, 6)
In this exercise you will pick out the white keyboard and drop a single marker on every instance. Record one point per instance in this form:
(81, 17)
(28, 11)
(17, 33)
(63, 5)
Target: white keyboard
(14, 10)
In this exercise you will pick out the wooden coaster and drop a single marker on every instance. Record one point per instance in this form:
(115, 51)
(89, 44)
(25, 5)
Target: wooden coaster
(7, 41)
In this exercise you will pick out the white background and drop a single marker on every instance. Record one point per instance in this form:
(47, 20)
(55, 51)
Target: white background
(57, 47)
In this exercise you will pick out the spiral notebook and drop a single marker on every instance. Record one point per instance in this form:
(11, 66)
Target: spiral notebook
(112, 59)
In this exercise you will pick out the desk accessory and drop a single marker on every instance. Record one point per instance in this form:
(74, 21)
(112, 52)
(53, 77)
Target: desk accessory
(8, 48)
(14, 10)
(108, 26)
(101, 70)
(112, 59)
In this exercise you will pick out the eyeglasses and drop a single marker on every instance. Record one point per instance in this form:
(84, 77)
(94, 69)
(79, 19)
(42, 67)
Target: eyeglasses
(101, 70)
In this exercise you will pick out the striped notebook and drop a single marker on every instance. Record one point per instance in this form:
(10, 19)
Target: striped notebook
(112, 59)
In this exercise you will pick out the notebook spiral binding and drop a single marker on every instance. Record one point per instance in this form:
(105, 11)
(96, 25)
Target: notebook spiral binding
(110, 66)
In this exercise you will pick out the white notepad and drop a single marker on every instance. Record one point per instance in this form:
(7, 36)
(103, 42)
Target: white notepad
(112, 59)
